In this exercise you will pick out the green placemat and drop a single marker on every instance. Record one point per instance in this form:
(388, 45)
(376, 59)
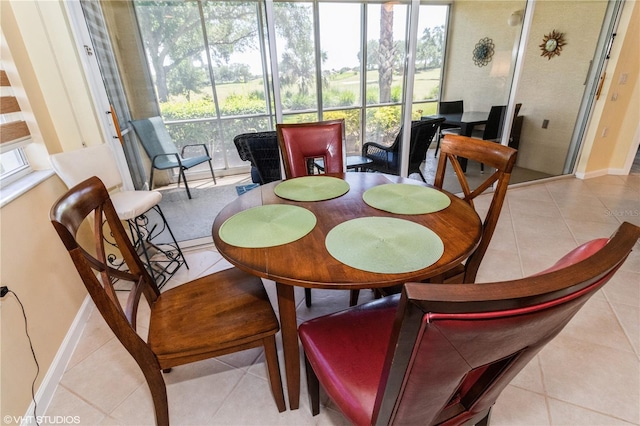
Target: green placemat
(384, 244)
(267, 226)
(311, 188)
(404, 198)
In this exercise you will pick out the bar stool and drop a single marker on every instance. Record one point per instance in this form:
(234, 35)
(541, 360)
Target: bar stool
(162, 259)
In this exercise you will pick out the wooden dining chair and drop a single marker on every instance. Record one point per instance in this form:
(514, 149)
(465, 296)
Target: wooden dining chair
(302, 143)
(214, 315)
(443, 353)
(499, 157)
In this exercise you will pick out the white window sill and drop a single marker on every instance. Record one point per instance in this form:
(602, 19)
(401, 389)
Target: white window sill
(10, 192)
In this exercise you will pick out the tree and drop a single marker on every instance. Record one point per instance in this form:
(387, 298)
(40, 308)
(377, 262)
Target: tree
(233, 73)
(386, 52)
(372, 54)
(430, 48)
(185, 79)
(172, 35)
(297, 66)
(169, 37)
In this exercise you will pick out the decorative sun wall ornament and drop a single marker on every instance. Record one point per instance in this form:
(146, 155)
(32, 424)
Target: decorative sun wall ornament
(552, 44)
(483, 52)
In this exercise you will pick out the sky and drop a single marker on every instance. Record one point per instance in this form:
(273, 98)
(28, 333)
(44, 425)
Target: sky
(340, 26)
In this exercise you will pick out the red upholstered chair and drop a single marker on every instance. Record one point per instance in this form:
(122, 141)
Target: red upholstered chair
(302, 143)
(443, 353)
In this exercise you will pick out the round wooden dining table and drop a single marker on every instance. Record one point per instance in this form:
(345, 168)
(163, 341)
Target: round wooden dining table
(306, 262)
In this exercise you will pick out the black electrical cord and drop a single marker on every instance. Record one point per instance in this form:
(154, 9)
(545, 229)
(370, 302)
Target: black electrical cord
(3, 292)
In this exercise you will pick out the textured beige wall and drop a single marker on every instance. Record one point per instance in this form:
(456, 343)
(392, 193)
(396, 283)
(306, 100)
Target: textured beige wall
(619, 105)
(472, 20)
(33, 261)
(35, 265)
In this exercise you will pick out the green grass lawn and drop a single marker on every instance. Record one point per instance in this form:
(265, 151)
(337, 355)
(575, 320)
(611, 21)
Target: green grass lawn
(424, 84)
(341, 98)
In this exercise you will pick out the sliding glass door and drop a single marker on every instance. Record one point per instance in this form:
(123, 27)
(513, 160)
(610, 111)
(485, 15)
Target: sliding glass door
(211, 65)
(561, 64)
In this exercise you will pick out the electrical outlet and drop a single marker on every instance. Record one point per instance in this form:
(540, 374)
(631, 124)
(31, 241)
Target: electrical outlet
(545, 124)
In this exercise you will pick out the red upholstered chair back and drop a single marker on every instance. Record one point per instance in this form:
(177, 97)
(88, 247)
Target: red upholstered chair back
(307, 141)
(459, 345)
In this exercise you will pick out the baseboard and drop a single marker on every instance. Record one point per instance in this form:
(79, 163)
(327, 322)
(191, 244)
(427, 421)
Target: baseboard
(198, 242)
(538, 181)
(618, 172)
(593, 174)
(47, 388)
(602, 172)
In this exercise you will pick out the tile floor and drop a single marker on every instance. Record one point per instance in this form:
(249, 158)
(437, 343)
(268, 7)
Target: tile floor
(588, 375)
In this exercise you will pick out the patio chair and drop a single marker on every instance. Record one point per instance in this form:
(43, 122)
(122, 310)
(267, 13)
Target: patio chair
(386, 159)
(443, 353)
(162, 151)
(221, 313)
(262, 151)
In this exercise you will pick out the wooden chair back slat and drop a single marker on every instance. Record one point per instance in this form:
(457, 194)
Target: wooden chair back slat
(501, 158)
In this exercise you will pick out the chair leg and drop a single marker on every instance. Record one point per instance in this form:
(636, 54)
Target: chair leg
(159, 395)
(437, 145)
(422, 176)
(313, 388)
(151, 179)
(485, 420)
(353, 297)
(212, 174)
(307, 297)
(273, 368)
(186, 185)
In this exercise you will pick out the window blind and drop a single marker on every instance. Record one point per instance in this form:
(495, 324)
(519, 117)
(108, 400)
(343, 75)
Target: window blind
(13, 129)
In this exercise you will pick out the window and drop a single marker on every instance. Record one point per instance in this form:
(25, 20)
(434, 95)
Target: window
(211, 62)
